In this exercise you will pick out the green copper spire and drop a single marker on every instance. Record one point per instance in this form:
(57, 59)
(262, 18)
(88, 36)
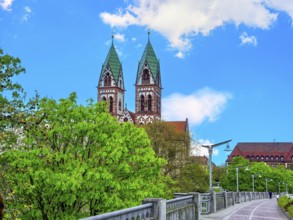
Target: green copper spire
(112, 60)
(150, 58)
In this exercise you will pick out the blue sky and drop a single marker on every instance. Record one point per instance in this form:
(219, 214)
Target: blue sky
(226, 65)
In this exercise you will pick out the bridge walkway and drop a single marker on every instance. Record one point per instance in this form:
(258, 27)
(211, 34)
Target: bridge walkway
(264, 209)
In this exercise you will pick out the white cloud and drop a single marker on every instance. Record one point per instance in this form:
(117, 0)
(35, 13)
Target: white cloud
(205, 104)
(27, 11)
(178, 21)
(119, 37)
(179, 55)
(282, 5)
(6, 4)
(133, 39)
(245, 39)
(198, 150)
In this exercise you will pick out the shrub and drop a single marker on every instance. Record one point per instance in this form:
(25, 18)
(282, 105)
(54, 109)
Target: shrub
(283, 201)
(288, 205)
(290, 211)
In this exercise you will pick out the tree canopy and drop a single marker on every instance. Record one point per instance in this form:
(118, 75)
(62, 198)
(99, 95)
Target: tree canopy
(67, 161)
(174, 146)
(79, 161)
(257, 175)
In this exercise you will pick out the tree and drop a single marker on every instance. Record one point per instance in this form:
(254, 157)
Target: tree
(13, 108)
(193, 178)
(169, 144)
(257, 175)
(174, 146)
(75, 161)
(229, 181)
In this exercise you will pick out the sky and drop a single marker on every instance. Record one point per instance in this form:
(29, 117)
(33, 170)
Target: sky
(226, 65)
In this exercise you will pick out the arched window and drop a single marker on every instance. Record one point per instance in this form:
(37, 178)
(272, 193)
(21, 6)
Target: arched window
(104, 99)
(272, 157)
(111, 104)
(107, 80)
(149, 103)
(277, 158)
(281, 158)
(292, 158)
(142, 103)
(252, 157)
(267, 157)
(119, 105)
(257, 157)
(262, 157)
(125, 119)
(158, 104)
(145, 77)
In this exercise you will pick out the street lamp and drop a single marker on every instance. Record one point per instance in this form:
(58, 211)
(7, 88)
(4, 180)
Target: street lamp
(210, 149)
(252, 182)
(237, 179)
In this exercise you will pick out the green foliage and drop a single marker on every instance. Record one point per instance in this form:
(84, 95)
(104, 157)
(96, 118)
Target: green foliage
(75, 161)
(290, 211)
(193, 178)
(283, 201)
(174, 146)
(218, 172)
(13, 108)
(171, 145)
(262, 174)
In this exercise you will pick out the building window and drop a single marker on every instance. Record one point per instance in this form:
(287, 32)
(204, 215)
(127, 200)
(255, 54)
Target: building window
(282, 158)
(277, 158)
(142, 103)
(252, 157)
(257, 157)
(262, 157)
(125, 119)
(107, 80)
(145, 77)
(292, 158)
(149, 103)
(272, 158)
(111, 104)
(120, 105)
(267, 157)
(247, 157)
(104, 99)
(120, 83)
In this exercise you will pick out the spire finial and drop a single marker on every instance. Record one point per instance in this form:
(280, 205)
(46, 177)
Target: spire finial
(112, 38)
(149, 35)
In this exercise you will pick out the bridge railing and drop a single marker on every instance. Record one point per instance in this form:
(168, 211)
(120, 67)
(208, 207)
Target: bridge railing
(184, 206)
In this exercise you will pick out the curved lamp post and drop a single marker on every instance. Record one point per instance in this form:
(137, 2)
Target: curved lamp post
(210, 149)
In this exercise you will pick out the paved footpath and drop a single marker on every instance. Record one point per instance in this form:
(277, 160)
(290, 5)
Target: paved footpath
(264, 209)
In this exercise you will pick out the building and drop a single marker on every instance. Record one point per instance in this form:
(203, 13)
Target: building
(148, 87)
(272, 153)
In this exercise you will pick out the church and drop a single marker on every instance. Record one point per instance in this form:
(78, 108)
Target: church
(148, 89)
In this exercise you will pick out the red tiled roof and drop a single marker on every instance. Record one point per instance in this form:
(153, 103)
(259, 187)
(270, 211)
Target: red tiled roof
(284, 149)
(201, 159)
(180, 126)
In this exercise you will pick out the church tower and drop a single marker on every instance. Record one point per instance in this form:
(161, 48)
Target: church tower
(111, 83)
(148, 87)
